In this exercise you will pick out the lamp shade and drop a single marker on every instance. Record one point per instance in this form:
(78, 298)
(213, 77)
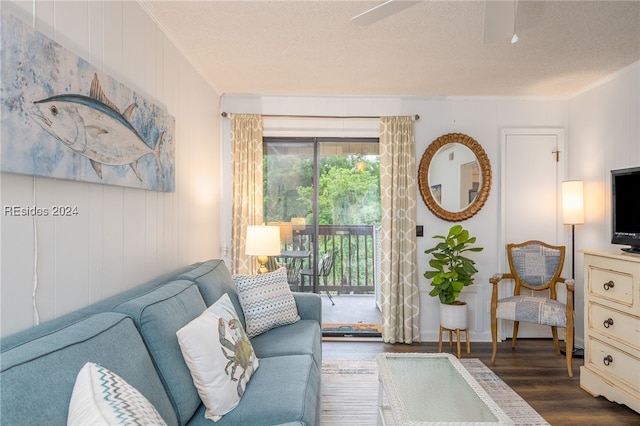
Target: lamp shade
(572, 202)
(262, 240)
(298, 223)
(286, 231)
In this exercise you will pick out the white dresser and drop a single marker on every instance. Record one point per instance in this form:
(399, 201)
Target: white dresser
(612, 327)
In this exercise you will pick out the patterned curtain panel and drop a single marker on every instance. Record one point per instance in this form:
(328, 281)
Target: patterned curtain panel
(246, 142)
(400, 296)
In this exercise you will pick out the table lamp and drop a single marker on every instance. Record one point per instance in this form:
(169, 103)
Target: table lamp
(262, 241)
(298, 223)
(286, 231)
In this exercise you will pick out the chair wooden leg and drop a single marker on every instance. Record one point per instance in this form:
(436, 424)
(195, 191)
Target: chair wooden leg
(554, 333)
(494, 338)
(569, 350)
(516, 325)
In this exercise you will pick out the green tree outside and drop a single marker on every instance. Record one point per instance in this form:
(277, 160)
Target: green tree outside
(349, 192)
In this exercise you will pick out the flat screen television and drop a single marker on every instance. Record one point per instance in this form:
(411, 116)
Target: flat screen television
(625, 208)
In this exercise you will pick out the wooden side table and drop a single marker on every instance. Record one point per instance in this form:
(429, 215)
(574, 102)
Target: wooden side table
(457, 331)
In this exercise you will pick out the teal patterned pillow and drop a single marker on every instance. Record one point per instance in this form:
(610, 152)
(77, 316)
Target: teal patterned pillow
(101, 397)
(267, 301)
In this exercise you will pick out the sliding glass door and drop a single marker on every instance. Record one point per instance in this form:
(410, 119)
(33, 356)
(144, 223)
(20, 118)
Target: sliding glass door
(289, 202)
(324, 193)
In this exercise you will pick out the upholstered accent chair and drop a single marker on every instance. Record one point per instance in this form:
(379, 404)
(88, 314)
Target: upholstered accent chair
(536, 266)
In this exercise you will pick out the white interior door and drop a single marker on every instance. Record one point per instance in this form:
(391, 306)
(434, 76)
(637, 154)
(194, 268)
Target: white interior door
(532, 171)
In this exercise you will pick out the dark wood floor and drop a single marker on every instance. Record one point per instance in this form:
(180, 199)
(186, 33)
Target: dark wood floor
(533, 370)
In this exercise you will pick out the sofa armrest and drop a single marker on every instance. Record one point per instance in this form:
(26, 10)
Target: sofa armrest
(309, 306)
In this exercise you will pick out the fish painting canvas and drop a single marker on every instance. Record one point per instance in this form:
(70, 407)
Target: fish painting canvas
(64, 118)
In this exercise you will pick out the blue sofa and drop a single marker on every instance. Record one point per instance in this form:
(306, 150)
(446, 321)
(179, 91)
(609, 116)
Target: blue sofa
(133, 334)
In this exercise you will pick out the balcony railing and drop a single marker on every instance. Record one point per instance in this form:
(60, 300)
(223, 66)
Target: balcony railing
(356, 264)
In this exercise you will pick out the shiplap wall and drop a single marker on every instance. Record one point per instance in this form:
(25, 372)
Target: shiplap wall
(121, 237)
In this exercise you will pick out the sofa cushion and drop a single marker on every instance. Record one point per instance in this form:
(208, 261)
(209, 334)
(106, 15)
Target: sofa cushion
(301, 338)
(533, 309)
(219, 356)
(283, 390)
(266, 300)
(214, 279)
(39, 374)
(101, 397)
(158, 315)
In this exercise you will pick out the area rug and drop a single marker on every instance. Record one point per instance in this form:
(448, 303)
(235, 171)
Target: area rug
(350, 393)
(352, 330)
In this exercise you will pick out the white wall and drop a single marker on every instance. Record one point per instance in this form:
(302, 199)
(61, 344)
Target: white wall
(604, 134)
(603, 125)
(480, 118)
(121, 236)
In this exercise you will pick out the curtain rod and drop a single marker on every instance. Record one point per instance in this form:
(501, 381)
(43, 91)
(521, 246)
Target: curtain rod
(416, 117)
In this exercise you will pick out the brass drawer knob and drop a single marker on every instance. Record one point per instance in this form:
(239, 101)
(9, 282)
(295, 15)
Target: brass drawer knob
(608, 285)
(607, 360)
(608, 323)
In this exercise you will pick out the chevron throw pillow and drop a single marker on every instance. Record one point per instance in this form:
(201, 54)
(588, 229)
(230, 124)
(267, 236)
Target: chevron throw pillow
(101, 397)
(267, 301)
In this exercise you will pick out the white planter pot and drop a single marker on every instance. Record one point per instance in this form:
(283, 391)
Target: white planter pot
(454, 316)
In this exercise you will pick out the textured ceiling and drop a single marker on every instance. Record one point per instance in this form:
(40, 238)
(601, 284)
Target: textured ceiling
(429, 49)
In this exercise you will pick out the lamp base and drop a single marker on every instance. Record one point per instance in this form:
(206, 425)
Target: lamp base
(262, 261)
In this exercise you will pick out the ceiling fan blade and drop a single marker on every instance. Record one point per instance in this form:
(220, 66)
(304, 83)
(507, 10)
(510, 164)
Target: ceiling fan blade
(382, 11)
(498, 20)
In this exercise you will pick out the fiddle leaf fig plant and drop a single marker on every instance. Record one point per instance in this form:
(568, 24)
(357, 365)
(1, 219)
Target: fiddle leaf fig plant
(451, 270)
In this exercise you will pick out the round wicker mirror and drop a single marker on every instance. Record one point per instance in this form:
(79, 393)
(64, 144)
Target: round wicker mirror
(454, 177)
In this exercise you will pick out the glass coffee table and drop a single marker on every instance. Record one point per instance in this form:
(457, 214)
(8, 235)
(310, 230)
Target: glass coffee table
(432, 389)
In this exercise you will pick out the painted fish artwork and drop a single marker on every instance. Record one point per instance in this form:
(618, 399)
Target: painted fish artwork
(63, 118)
(93, 126)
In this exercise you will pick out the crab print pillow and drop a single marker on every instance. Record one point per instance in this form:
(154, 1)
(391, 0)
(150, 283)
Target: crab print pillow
(219, 356)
